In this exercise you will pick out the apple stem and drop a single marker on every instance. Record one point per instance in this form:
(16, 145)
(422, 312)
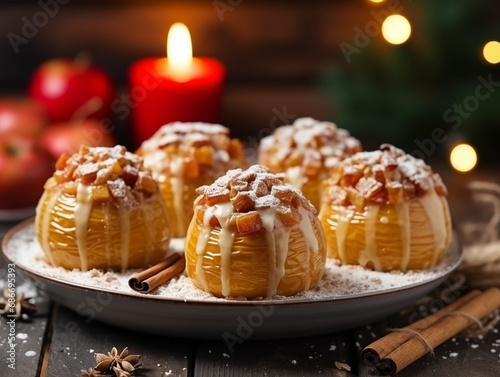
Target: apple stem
(88, 108)
(83, 60)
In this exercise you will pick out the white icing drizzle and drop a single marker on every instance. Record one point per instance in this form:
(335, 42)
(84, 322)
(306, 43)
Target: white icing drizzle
(275, 239)
(312, 245)
(369, 253)
(281, 238)
(222, 212)
(82, 213)
(403, 211)
(307, 230)
(177, 186)
(433, 206)
(344, 217)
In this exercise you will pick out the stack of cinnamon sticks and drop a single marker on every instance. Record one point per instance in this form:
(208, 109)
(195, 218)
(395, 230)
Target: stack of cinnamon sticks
(150, 279)
(399, 349)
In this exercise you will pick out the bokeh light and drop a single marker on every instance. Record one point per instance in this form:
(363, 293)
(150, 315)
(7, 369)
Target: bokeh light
(463, 157)
(396, 29)
(491, 52)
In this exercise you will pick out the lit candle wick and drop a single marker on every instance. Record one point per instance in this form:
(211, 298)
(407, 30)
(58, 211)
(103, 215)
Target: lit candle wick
(179, 52)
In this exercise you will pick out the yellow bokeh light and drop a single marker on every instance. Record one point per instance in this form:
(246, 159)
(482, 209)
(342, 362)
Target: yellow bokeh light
(491, 52)
(376, 1)
(463, 157)
(396, 29)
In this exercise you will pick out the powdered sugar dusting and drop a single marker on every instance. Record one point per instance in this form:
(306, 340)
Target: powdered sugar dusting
(184, 132)
(338, 281)
(317, 141)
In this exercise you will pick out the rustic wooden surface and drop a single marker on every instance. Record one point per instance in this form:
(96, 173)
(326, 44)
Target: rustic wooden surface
(58, 342)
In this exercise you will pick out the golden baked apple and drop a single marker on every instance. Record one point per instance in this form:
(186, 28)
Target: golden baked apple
(386, 210)
(254, 236)
(101, 209)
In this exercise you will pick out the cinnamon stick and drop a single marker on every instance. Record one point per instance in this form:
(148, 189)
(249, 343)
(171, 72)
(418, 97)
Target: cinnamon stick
(379, 349)
(160, 273)
(447, 326)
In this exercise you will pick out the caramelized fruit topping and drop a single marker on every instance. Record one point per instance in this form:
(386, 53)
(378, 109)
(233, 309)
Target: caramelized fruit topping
(192, 150)
(387, 175)
(110, 172)
(249, 192)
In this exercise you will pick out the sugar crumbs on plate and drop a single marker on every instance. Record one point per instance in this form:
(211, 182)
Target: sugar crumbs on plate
(339, 281)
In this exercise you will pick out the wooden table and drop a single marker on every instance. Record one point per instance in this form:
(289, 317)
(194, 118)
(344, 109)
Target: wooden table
(58, 342)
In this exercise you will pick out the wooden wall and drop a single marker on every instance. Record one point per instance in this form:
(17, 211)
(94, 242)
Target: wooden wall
(273, 51)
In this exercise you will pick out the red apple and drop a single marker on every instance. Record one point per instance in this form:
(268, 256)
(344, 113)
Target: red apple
(64, 86)
(24, 169)
(22, 116)
(66, 137)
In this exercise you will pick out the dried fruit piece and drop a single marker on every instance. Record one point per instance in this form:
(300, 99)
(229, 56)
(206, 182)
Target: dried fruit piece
(146, 183)
(369, 187)
(394, 192)
(355, 198)
(260, 188)
(191, 169)
(100, 192)
(285, 194)
(215, 198)
(243, 202)
(88, 173)
(351, 175)
(249, 222)
(289, 216)
(204, 155)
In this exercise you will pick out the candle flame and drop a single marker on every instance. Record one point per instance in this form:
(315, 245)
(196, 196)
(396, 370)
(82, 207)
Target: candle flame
(179, 52)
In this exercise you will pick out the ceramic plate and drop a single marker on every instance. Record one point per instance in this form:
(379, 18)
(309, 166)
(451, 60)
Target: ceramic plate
(231, 319)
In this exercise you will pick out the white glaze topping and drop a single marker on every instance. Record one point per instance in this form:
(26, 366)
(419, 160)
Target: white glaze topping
(437, 215)
(369, 253)
(82, 213)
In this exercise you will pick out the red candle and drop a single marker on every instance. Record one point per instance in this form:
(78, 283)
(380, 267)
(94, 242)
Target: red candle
(177, 88)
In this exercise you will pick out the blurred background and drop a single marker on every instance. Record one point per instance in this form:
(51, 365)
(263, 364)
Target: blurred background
(331, 60)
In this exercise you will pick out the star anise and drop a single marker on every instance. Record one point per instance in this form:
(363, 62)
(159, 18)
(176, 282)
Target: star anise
(122, 364)
(22, 305)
